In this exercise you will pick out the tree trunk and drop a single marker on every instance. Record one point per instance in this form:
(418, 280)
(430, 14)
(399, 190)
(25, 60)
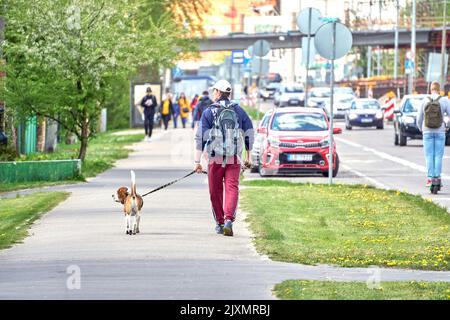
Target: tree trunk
(84, 137)
(41, 134)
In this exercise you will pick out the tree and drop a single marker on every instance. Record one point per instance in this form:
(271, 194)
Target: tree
(62, 56)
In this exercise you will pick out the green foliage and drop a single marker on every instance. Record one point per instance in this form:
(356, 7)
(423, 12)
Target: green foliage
(7, 153)
(66, 60)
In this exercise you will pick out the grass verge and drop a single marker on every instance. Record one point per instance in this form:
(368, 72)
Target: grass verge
(351, 226)
(18, 214)
(253, 112)
(102, 152)
(332, 290)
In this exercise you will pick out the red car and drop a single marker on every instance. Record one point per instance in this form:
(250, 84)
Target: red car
(296, 141)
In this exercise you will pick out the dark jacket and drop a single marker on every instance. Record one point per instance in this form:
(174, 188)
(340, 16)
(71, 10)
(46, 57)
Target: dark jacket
(152, 107)
(203, 103)
(207, 121)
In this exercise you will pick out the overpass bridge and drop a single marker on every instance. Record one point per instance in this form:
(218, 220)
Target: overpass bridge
(425, 38)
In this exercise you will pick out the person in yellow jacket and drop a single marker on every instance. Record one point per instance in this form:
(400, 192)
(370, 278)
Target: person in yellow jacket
(185, 109)
(166, 110)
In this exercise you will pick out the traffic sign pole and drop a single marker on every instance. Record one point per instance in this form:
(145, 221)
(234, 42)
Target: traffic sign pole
(330, 150)
(305, 101)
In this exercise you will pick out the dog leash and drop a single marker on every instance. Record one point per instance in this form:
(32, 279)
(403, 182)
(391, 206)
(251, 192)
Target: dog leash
(172, 182)
(179, 179)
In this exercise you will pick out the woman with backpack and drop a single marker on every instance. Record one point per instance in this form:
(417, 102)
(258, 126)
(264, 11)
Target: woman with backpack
(431, 122)
(223, 130)
(184, 109)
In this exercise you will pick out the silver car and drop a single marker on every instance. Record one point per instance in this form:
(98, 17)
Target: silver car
(289, 94)
(259, 135)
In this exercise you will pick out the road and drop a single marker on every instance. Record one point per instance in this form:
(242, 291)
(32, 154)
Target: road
(177, 255)
(369, 156)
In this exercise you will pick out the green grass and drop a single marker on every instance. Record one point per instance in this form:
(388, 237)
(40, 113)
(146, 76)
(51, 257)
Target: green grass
(18, 214)
(253, 112)
(332, 290)
(102, 152)
(351, 226)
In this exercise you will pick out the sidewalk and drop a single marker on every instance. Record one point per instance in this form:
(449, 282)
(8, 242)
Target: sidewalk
(176, 256)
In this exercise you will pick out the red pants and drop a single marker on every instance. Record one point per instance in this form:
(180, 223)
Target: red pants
(224, 179)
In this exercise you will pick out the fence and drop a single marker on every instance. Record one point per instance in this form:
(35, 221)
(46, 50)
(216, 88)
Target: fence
(51, 170)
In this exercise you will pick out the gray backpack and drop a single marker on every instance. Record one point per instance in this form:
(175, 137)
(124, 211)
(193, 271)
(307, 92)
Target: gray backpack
(433, 114)
(225, 137)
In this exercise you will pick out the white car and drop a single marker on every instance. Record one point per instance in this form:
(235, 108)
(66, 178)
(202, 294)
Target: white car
(261, 130)
(289, 94)
(341, 104)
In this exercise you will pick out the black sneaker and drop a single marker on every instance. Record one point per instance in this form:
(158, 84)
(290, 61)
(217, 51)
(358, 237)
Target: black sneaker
(219, 229)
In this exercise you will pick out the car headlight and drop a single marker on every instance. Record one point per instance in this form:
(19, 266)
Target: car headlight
(325, 143)
(409, 120)
(379, 115)
(353, 116)
(312, 104)
(274, 143)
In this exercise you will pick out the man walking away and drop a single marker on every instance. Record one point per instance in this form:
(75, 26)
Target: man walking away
(166, 110)
(223, 128)
(149, 104)
(431, 122)
(203, 103)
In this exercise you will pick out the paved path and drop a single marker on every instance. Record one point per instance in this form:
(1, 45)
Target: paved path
(177, 255)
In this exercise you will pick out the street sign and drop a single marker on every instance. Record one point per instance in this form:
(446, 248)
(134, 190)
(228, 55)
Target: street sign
(237, 57)
(333, 40)
(324, 40)
(260, 48)
(409, 55)
(409, 64)
(309, 20)
(434, 67)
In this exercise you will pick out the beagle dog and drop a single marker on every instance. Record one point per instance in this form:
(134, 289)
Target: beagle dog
(132, 205)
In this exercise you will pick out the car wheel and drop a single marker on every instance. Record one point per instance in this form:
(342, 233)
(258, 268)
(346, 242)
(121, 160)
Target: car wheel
(335, 170)
(254, 169)
(380, 127)
(402, 139)
(262, 171)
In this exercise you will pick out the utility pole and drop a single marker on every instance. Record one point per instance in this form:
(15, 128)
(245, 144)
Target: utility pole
(413, 47)
(369, 49)
(443, 48)
(397, 9)
(378, 47)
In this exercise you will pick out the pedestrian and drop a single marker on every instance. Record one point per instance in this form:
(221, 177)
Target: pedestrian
(431, 122)
(166, 110)
(149, 104)
(203, 103)
(185, 109)
(223, 130)
(193, 104)
(175, 111)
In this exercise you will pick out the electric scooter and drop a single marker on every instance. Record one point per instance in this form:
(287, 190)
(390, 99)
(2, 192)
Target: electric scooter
(435, 186)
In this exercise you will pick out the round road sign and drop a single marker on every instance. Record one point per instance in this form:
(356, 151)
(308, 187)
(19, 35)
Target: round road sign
(303, 21)
(323, 40)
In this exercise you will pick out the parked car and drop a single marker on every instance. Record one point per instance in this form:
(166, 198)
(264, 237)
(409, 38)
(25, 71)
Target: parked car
(365, 112)
(296, 140)
(289, 94)
(405, 120)
(268, 91)
(342, 102)
(259, 136)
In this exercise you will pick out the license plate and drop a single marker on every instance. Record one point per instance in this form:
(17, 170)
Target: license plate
(300, 157)
(366, 120)
(294, 101)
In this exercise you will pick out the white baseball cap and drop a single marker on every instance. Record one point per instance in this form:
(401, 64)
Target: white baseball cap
(222, 86)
